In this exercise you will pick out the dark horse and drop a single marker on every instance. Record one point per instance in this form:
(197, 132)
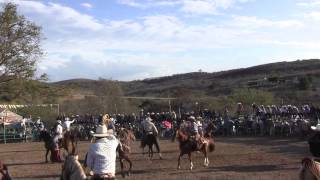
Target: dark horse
(4, 173)
(48, 143)
(150, 140)
(125, 136)
(188, 145)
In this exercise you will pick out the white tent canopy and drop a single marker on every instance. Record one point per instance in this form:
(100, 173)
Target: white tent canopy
(8, 117)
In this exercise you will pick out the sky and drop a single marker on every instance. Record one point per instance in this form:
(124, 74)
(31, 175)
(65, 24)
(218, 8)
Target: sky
(137, 39)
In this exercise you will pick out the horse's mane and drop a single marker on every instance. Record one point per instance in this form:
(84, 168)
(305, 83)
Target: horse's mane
(125, 136)
(181, 136)
(45, 135)
(72, 168)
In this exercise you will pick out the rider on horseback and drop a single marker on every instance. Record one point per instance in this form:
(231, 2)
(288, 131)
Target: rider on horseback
(194, 132)
(57, 140)
(67, 124)
(39, 124)
(149, 128)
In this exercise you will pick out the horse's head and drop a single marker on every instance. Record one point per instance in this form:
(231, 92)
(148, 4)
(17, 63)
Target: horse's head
(72, 169)
(126, 135)
(131, 135)
(44, 135)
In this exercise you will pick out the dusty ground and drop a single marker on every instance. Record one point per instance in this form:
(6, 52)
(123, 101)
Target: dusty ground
(234, 158)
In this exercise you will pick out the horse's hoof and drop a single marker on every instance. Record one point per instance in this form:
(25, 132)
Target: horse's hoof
(179, 168)
(128, 174)
(123, 175)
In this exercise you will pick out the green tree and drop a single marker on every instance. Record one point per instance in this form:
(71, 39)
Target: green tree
(19, 45)
(304, 83)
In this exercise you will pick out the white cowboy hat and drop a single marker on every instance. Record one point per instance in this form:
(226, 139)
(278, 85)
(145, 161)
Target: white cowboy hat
(316, 128)
(148, 119)
(192, 118)
(102, 131)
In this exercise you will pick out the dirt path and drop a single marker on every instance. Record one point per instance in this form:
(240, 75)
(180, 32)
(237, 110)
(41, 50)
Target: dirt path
(234, 158)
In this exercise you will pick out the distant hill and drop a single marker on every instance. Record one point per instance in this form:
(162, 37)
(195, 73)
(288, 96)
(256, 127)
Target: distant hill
(275, 77)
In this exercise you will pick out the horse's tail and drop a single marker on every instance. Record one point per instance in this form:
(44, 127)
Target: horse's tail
(211, 147)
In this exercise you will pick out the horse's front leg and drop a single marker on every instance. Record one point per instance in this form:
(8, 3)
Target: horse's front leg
(206, 159)
(47, 155)
(121, 165)
(190, 159)
(179, 159)
(130, 164)
(150, 152)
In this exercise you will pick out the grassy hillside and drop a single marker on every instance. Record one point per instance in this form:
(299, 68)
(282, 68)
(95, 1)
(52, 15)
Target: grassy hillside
(213, 84)
(223, 83)
(296, 81)
(287, 82)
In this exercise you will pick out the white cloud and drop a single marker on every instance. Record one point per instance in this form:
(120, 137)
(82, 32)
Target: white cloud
(315, 15)
(149, 3)
(86, 5)
(309, 3)
(60, 15)
(154, 45)
(194, 7)
(254, 22)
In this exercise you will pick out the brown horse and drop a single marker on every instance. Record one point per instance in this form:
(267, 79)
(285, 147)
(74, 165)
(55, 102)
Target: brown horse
(4, 173)
(310, 169)
(71, 138)
(188, 145)
(125, 136)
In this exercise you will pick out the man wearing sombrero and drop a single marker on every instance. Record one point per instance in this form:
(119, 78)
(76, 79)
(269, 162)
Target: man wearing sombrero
(101, 157)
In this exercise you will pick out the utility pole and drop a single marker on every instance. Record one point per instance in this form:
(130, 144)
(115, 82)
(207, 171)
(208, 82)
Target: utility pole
(4, 127)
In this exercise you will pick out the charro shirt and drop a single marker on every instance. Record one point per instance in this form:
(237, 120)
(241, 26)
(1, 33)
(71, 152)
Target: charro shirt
(67, 125)
(101, 157)
(149, 127)
(59, 131)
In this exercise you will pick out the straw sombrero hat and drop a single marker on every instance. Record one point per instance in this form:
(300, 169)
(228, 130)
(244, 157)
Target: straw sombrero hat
(102, 131)
(316, 128)
(148, 119)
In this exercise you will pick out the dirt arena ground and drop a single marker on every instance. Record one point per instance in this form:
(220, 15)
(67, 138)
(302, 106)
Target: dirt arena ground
(234, 158)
